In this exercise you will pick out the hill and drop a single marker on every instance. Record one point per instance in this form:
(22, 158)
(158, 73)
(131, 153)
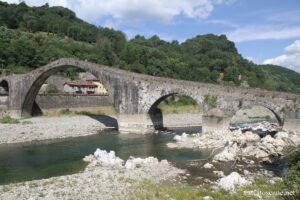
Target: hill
(33, 36)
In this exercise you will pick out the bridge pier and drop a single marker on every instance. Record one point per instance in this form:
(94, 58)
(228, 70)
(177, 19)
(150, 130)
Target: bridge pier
(292, 121)
(135, 123)
(291, 125)
(17, 114)
(215, 123)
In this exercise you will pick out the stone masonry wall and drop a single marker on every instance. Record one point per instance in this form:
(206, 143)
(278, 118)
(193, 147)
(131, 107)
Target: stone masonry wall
(71, 101)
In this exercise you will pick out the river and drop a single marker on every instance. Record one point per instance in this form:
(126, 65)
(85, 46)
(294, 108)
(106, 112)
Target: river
(37, 160)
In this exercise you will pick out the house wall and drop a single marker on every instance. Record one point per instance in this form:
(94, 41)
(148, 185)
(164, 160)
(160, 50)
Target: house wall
(100, 89)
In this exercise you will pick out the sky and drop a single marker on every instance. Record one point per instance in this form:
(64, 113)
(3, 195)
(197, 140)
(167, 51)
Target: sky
(264, 31)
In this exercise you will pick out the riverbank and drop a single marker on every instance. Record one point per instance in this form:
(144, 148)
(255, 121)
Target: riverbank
(48, 128)
(65, 124)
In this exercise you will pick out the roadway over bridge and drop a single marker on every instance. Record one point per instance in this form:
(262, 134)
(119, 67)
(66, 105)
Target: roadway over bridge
(135, 97)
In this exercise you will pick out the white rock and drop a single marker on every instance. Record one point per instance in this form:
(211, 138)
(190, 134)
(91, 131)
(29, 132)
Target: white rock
(251, 137)
(133, 163)
(208, 166)
(177, 138)
(180, 138)
(207, 198)
(101, 157)
(219, 174)
(246, 172)
(228, 154)
(281, 135)
(230, 182)
(273, 180)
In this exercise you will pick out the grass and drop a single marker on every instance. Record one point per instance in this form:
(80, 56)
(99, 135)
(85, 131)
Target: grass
(266, 117)
(9, 120)
(149, 190)
(89, 111)
(175, 109)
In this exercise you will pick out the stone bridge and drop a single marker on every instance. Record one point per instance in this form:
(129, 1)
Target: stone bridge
(135, 97)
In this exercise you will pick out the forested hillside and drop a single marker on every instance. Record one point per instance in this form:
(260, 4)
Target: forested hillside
(33, 36)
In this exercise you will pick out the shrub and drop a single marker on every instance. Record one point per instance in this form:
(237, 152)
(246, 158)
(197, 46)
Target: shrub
(8, 120)
(292, 178)
(211, 100)
(65, 112)
(52, 89)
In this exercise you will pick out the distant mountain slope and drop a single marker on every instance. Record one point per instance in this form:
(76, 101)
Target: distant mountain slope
(281, 78)
(33, 36)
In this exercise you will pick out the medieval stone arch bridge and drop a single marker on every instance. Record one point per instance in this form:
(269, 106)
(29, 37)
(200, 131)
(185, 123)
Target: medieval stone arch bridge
(135, 97)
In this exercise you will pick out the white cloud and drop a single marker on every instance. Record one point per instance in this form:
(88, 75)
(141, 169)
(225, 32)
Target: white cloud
(224, 1)
(135, 10)
(291, 58)
(260, 32)
(293, 48)
(11, 1)
(221, 22)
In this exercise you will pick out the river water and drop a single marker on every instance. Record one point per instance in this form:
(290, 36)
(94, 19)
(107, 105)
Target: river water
(28, 161)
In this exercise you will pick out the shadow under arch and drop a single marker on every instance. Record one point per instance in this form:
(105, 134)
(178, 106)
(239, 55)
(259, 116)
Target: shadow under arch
(156, 114)
(4, 87)
(278, 118)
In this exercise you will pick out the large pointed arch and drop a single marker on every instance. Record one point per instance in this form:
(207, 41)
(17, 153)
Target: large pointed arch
(45, 72)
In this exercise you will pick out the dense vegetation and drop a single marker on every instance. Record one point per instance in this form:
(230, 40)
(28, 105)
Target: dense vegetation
(33, 36)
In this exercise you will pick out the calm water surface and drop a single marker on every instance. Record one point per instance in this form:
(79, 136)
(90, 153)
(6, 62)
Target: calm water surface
(23, 162)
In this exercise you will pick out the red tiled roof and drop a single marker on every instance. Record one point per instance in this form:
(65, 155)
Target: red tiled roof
(81, 83)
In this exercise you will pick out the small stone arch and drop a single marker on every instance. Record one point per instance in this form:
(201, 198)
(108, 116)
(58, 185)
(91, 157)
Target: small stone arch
(42, 74)
(275, 109)
(156, 114)
(4, 87)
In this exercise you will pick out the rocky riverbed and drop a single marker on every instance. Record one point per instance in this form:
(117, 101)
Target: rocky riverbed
(248, 151)
(242, 143)
(45, 128)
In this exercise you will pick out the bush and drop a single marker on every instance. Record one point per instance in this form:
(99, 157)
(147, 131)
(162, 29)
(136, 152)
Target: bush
(8, 120)
(65, 112)
(52, 89)
(211, 100)
(292, 178)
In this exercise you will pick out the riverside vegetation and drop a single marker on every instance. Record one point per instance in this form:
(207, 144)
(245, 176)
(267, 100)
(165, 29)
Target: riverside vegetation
(34, 36)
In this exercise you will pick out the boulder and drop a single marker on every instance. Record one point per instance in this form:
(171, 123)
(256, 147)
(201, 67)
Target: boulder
(103, 158)
(208, 166)
(251, 137)
(180, 138)
(281, 135)
(133, 163)
(230, 153)
(219, 174)
(254, 151)
(230, 182)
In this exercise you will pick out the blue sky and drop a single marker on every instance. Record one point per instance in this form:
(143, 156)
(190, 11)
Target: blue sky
(264, 31)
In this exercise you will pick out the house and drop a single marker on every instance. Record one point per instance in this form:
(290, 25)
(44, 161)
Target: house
(100, 90)
(80, 87)
(85, 87)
